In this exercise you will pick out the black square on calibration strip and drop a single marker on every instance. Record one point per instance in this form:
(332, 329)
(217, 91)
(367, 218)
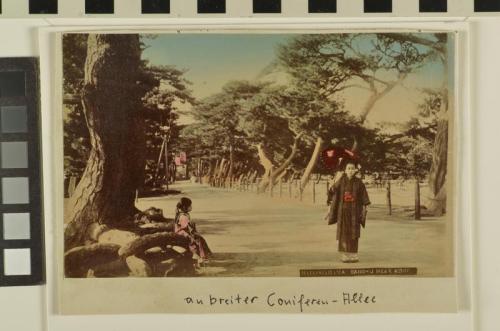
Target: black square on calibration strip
(378, 6)
(433, 6)
(43, 6)
(99, 6)
(155, 6)
(487, 5)
(322, 6)
(267, 6)
(211, 6)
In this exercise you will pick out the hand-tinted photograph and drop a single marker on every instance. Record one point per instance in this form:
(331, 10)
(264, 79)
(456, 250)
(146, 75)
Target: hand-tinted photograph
(258, 155)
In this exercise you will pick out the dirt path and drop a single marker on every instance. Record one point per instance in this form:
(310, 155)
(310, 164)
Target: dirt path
(255, 235)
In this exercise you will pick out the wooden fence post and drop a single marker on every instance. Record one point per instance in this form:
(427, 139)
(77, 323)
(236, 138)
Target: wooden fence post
(388, 196)
(271, 184)
(327, 188)
(417, 199)
(295, 188)
(314, 191)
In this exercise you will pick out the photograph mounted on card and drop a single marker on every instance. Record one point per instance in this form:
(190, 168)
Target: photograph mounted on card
(196, 163)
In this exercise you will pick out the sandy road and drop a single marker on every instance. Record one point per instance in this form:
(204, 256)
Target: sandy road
(256, 235)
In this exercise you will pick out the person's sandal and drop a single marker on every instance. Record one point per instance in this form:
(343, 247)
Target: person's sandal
(354, 259)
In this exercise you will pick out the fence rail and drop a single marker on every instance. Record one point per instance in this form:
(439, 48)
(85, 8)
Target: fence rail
(315, 192)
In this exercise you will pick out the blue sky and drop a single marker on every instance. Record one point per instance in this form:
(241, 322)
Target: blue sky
(214, 59)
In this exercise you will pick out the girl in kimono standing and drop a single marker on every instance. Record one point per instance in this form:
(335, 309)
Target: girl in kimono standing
(348, 200)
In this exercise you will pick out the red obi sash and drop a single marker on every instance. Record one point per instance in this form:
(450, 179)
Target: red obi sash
(348, 197)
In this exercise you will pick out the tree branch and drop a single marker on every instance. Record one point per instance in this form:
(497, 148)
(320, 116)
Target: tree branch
(419, 40)
(377, 95)
(290, 157)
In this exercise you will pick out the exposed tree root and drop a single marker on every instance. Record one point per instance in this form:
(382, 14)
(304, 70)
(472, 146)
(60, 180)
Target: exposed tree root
(78, 260)
(161, 239)
(148, 248)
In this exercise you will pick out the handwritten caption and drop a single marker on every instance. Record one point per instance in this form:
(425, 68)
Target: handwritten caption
(274, 300)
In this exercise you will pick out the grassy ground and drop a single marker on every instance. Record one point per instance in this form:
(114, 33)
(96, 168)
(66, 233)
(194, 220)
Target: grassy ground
(256, 235)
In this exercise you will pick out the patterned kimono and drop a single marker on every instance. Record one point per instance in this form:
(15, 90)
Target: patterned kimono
(347, 199)
(184, 227)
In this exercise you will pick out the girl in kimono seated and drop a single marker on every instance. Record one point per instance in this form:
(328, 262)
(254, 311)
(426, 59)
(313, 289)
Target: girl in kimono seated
(184, 227)
(348, 200)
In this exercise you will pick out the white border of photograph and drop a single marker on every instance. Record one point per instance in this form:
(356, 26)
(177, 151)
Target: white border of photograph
(54, 123)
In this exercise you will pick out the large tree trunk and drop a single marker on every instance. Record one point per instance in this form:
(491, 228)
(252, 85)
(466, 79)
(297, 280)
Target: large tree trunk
(437, 176)
(279, 170)
(312, 163)
(268, 165)
(111, 104)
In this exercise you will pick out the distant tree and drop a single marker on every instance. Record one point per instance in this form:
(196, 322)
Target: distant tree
(265, 119)
(412, 157)
(76, 135)
(166, 91)
(330, 64)
(317, 121)
(116, 92)
(277, 123)
(333, 63)
(429, 125)
(217, 125)
(164, 88)
(437, 45)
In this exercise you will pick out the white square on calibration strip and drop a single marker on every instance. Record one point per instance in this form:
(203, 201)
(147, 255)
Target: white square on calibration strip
(17, 262)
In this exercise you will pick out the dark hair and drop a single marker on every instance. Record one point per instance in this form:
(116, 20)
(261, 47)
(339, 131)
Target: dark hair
(184, 204)
(347, 161)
